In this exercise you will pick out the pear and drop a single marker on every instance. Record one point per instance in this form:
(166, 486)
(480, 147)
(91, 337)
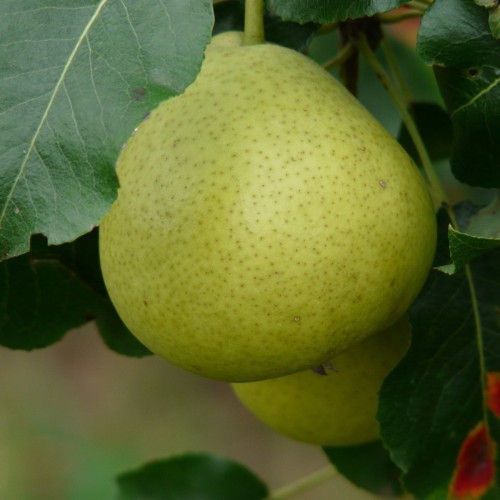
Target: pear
(337, 408)
(265, 221)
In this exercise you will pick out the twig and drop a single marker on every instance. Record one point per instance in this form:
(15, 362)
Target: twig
(342, 55)
(304, 484)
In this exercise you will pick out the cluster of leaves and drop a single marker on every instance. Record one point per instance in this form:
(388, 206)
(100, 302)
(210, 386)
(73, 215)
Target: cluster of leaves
(88, 73)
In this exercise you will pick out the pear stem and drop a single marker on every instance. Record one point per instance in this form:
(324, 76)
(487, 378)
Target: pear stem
(254, 22)
(304, 484)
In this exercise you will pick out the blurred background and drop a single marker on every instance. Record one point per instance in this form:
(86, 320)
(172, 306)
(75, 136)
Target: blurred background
(75, 415)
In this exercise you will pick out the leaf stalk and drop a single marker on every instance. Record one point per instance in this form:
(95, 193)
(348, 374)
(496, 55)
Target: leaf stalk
(304, 483)
(341, 56)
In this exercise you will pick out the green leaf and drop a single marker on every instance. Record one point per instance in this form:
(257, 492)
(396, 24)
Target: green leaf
(434, 398)
(117, 336)
(435, 129)
(473, 100)
(480, 234)
(456, 38)
(465, 247)
(40, 300)
(76, 78)
(193, 476)
(369, 466)
(455, 33)
(327, 11)
(230, 16)
(51, 290)
(494, 21)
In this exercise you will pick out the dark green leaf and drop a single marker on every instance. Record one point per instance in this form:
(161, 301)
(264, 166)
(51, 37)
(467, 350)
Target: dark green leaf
(435, 397)
(40, 300)
(52, 289)
(435, 129)
(117, 336)
(465, 247)
(191, 477)
(231, 16)
(292, 35)
(455, 36)
(369, 466)
(75, 79)
(455, 33)
(479, 234)
(473, 100)
(327, 11)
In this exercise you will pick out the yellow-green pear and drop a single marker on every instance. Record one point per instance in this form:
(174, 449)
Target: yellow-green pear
(265, 221)
(336, 409)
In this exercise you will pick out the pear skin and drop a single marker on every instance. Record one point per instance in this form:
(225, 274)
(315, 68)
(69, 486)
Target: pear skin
(265, 221)
(335, 409)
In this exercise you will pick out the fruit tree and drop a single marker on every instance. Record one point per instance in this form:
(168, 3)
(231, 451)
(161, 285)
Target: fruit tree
(296, 199)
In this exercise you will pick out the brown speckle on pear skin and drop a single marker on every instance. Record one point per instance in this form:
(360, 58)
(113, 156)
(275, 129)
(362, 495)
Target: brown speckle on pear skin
(251, 196)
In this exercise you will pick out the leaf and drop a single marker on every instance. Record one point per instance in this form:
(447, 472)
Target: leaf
(230, 15)
(327, 11)
(473, 99)
(430, 403)
(193, 476)
(117, 336)
(480, 234)
(493, 392)
(51, 290)
(494, 21)
(75, 79)
(475, 471)
(368, 466)
(435, 129)
(465, 247)
(455, 36)
(40, 301)
(455, 33)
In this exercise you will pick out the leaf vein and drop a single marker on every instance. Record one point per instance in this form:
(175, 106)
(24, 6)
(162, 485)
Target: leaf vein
(45, 115)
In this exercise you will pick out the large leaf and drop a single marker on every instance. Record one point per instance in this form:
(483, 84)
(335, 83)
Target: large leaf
(191, 477)
(75, 78)
(327, 11)
(433, 406)
(50, 290)
(456, 38)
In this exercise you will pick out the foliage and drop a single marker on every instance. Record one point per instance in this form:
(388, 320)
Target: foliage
(90, 71)
(191, 476)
